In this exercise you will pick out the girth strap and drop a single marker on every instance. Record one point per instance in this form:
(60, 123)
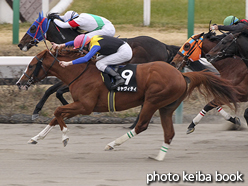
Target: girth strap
(111, 101)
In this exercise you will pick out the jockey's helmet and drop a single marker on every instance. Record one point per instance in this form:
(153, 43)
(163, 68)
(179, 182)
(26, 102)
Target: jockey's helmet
(81, 40)
(70, 15)
(230, 20)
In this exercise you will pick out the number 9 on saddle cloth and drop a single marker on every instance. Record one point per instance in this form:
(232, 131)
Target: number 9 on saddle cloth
(128, 73)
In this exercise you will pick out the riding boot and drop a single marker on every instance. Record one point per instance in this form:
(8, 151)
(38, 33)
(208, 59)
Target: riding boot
(118, 79)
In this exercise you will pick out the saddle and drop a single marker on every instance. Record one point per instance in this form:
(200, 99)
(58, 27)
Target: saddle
(128, 73)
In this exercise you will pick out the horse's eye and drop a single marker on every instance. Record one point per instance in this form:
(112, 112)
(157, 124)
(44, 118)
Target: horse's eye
(33, 29)
(186, 47)
(30, 66)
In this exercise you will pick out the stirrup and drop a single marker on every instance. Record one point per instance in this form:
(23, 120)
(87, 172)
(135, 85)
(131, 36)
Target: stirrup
(121, 82)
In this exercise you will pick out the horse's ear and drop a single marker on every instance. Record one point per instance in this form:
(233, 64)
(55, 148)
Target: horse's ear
(39, 18)
(42, 14)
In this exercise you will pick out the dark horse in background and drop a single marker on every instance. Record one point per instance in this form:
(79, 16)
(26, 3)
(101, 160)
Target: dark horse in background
(155, 91)
(233, 69)
(231, 45)
(145, 49)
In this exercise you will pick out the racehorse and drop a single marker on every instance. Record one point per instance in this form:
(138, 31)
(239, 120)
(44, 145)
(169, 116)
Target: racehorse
(229, 68)
(229, 46)
(145, 49)
(160, 86)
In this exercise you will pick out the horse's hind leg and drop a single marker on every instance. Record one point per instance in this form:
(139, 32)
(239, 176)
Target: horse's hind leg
(136, 121)
(167, 124)
(144, 119)
(197, 119)
(203, 112)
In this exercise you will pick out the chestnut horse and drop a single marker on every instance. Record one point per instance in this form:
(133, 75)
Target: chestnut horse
(233, 69)
(145, 49)
(160, 87)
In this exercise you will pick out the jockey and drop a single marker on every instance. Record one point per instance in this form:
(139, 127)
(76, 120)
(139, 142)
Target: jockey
(232, 23)
(112, 51)
(95, 25)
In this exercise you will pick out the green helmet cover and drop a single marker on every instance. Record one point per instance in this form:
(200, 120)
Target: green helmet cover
(230, 20)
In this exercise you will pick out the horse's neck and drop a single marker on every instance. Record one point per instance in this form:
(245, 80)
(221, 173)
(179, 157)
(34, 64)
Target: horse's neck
(60, 36)
(70, 73)
(207, 45)
(243, 46)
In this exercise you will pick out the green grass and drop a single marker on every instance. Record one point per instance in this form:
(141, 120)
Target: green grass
(172, 14)
(163, 12)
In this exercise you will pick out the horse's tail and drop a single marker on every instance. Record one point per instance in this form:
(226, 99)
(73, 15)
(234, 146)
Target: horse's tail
(218, 88)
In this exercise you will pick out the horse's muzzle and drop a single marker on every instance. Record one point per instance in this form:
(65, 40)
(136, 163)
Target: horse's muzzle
(22, 87)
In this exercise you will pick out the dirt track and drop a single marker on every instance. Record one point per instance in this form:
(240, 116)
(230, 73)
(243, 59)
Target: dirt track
(84, 162)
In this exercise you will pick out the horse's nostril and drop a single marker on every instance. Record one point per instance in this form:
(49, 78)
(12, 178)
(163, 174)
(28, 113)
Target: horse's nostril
(19, 45)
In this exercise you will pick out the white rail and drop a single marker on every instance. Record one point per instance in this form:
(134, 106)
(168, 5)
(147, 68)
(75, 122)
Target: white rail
(13, 66)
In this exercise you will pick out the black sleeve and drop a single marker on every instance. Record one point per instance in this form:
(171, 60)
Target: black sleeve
(239, 27)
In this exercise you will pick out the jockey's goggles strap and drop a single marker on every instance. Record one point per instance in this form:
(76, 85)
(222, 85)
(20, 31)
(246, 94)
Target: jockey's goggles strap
(84, 41)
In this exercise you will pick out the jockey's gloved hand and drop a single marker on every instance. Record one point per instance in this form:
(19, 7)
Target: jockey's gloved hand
(53, 16)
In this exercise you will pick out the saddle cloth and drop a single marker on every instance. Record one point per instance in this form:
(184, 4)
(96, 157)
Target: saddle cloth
(128, 73)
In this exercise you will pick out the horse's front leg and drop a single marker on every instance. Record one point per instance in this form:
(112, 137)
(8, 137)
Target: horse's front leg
(167, 124)
(43, 133)
(68, 111)
(41, 103)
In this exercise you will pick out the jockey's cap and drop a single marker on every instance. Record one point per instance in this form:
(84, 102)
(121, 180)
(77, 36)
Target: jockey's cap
(70, 15)
(230, 20)
(80, 40)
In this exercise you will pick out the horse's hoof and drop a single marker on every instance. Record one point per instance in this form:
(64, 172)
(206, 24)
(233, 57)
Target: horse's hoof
(237, 121)
(31, 141)
(108, 147)
(190, 130)
(65, 141)
(155, 158)
(35, 116)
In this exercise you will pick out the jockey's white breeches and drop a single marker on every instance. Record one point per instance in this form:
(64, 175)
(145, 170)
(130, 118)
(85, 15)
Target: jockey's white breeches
(108, 30)
(123, 54)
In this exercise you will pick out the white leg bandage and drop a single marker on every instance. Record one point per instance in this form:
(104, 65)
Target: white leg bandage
(162, 152)
(125, 137)
(198, 118)
(43, 133)
(223, 113)
(121, 140)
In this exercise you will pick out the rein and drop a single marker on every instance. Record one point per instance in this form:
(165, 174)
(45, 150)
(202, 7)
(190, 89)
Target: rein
(80, 74)
(33, 77)
(60, 33)
(223, 52)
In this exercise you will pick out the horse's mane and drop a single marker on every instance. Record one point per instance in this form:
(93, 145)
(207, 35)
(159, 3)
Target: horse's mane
(70, 53)
(213, 37)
